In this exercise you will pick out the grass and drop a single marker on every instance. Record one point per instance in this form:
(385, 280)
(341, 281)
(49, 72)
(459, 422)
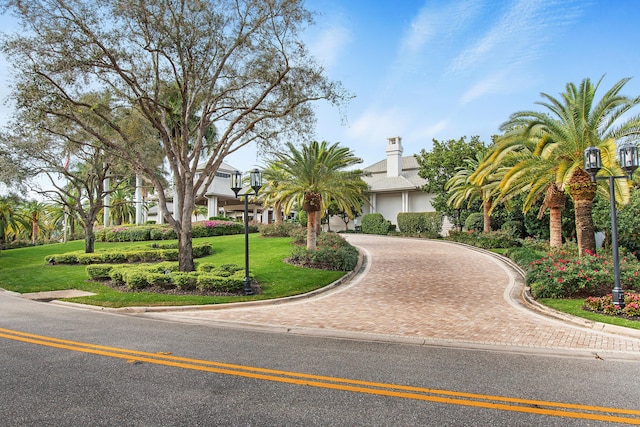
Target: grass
(574, 307)
(24, 270)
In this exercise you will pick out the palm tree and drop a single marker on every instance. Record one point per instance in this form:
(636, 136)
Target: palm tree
(464, 190)
(315, 175)
(35, 213)
(562, 133)
(271, 193)
(122, 208)
(9, 219)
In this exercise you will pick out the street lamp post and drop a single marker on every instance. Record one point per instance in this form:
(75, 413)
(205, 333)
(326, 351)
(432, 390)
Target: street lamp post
(628, 156)
(255, 178)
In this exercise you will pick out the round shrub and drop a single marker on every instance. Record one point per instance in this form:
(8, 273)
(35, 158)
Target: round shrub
(375, 223)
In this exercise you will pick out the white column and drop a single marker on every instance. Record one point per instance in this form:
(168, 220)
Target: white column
(373, 204)
(138, 200)
(405, 201)
(106, 202)
(212, 206)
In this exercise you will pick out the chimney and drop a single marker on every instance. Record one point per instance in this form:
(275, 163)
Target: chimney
(394, 156)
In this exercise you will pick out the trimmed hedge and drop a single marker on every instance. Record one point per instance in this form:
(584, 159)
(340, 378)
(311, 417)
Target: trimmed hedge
(138, 233)
(156, 253)
(374, 223)
(228, 278)
(428, 223)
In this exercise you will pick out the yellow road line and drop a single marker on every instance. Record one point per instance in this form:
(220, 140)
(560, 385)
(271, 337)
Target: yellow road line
(557, 409)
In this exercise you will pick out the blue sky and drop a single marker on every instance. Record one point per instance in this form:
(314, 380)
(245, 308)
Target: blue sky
(424, 69)
(448, 68)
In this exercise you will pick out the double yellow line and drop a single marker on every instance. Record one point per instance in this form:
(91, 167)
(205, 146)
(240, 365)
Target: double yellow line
(556, 409)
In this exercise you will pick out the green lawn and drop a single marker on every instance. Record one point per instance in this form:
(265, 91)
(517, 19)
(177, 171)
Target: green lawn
(24, 270)
(574, 307)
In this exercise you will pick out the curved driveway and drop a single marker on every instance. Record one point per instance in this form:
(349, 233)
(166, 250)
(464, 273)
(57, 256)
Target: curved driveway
(426, 291)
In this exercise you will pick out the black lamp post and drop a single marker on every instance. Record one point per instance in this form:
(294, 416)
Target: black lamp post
(628, 157)
(255, 179)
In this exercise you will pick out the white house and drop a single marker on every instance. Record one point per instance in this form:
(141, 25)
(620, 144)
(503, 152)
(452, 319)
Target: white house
(394, 187)
(220, 201)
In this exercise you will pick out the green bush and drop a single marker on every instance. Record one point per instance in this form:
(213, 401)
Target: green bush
(514, 228)
(160, 232)
(302, 218)
(474, 222)
(185, 281)
(277, 230)
(99, 271)
(523, 256)
(490, 240)
(210, 282)
(563, 275)
(299, 235)
(422, 223)
(326, 257)
(374, 223)
(135, 278)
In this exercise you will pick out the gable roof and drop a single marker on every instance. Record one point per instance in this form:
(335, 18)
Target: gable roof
(378, 181)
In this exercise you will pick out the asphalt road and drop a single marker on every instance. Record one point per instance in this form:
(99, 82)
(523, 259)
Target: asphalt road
(61, 366)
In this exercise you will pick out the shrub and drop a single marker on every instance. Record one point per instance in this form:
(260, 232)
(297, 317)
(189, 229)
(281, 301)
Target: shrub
(203, 250)
(216, 228)
(299, 235)
(277, 230)
(374, 223)
(159, 279)
(605, 305)
(343, 258)
(162, 233)
(474, 222)
(560, 275)
(99, 271)
(490, 240)
(210, 282)
(185, 281)
(135, 278)
(428, 223)
(513, 228)
(523, 256)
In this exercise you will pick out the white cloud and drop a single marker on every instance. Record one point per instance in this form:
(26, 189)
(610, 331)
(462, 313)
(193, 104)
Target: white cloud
(329, 45)
(377, 125)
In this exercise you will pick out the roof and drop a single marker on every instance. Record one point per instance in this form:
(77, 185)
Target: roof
(409, 179)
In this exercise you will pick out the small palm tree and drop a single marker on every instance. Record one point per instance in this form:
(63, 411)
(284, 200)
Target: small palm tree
(316, 174)
(35, 213)
(463, 190)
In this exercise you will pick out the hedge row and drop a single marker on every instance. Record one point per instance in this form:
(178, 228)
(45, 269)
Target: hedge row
(153, 253)
(138, 233)
(428, 223)
(227, 278)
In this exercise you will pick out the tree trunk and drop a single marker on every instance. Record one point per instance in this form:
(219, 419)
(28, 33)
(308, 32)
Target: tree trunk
(585, 229)
(555, 227)
(583, 191)
(487, 218)
(89, 236)
(185, 250)
(34, 230)
(312, 229)
(185, 240)
(277, 213)
(554, 199)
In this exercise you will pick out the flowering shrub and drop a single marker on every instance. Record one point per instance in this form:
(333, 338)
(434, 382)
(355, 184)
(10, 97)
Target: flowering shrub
(561, 275)
(605, 305)
(133, 233)
(283, 229)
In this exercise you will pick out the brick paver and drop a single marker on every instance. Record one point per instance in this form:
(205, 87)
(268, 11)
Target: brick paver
(425, 289)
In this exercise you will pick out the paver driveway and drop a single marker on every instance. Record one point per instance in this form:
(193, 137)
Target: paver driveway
(424, 291)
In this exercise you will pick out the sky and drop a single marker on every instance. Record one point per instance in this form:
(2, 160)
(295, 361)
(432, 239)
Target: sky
(444, 69)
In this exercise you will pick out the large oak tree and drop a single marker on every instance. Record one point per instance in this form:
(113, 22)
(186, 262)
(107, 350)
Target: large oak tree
(237, 65)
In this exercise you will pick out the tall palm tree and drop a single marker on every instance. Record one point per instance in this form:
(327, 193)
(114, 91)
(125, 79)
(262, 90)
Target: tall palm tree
(316, 174)
(571, 124)
(513, 165)
(122, 207)
(271, 193)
